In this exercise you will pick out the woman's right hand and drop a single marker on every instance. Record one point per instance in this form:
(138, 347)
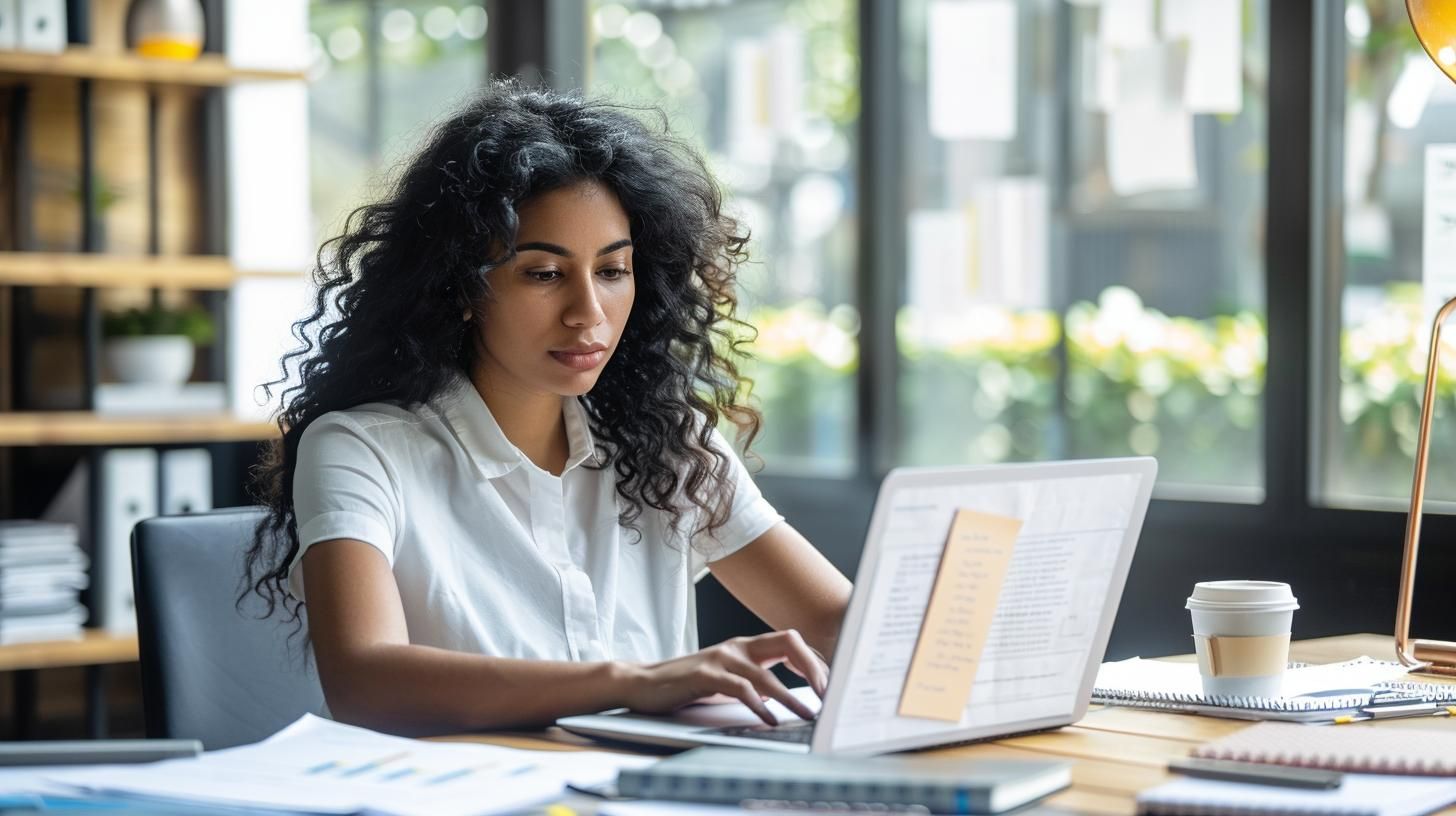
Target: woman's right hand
(737, 668)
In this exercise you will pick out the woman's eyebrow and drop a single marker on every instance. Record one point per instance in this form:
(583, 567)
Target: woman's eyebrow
(557, 249)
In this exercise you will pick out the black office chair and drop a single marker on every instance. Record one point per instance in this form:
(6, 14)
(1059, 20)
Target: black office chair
(209, 671)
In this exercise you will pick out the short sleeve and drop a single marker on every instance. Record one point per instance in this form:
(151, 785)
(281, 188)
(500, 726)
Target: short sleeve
(343, 487)
(750, 517)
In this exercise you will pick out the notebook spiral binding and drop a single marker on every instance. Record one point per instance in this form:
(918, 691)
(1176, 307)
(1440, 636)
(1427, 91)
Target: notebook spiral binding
(1424, 766)
(1405, 691)
(1169, 701)
(1417, 692)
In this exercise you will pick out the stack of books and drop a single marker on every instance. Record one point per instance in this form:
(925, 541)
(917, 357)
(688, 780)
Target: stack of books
(42, 573)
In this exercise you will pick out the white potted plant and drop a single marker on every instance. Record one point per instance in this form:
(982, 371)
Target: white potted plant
(156, 345)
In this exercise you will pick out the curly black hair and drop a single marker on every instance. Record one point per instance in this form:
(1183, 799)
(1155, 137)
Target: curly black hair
(385, 324)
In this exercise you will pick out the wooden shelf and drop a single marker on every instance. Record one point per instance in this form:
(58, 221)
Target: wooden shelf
(208, 70)
(34, 428)
(96, 647)
(82, 269)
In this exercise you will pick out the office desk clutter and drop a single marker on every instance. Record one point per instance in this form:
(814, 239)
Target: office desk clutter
(1390, 772)
(1353, 690)
(1376, 771)
(319, 766)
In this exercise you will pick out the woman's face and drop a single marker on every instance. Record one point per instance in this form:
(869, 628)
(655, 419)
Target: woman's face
(556, 310)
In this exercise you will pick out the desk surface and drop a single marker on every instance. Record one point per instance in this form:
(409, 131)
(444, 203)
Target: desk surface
(1116, 752)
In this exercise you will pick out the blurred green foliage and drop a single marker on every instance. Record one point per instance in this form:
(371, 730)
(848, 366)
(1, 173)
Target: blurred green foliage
(191, 322)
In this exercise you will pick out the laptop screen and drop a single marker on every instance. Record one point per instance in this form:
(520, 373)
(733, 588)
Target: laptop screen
(999, 633)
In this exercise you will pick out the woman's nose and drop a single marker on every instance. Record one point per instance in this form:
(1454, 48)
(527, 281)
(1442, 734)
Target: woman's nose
(585, 307)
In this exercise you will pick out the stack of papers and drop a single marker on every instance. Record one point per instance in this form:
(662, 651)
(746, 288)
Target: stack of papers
(319, 766)
(42, 573)
(1310, 693)
(1167, 677)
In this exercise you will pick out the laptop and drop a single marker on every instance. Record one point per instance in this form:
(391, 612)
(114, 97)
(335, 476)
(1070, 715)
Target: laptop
(981, 608)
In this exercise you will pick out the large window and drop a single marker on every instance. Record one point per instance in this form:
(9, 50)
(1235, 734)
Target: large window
(768, 90)
(1391, 183)
(1063, 228)
(1084, 261)
(382, 72)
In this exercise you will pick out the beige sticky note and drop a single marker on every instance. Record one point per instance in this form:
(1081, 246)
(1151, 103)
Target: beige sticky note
(958, 617)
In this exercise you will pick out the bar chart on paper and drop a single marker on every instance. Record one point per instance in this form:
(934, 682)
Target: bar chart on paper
(407, 768)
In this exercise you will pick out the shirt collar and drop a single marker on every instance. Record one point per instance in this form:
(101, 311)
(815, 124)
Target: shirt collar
(495, 455)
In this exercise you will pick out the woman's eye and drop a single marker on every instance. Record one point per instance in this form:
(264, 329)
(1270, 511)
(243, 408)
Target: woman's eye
(614, 272)
(543, 275)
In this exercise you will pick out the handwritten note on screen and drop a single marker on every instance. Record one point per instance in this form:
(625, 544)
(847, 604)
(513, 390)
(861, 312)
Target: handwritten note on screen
(958, 617)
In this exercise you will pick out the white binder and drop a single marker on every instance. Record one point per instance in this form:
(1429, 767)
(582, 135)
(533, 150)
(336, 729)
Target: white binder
(128, 495)
(9, 25)
(186, 481)
(43, 25)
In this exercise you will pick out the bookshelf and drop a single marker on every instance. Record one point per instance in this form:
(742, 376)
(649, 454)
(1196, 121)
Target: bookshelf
(95, 648)
(116, 173)
(37, 428)
(144, 249)
(49, 269)
(80, 62)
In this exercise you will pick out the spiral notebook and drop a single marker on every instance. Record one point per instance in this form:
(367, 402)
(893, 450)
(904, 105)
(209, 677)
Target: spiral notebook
(1360, 795)
(1427, 752)
(1311, 693)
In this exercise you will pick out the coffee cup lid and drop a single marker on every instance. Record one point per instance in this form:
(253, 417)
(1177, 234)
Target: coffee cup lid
(1252, 596)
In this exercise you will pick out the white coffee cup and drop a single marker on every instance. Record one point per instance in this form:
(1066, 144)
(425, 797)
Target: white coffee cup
(1241, 633)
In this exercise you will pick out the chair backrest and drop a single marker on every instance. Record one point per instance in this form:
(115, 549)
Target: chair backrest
(212, 671)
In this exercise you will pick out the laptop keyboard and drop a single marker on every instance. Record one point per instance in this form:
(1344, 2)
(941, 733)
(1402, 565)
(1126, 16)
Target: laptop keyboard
(788, 732)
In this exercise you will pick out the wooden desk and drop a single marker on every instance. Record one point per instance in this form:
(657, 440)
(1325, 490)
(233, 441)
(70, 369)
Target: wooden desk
(95, 650)
(1116, 752)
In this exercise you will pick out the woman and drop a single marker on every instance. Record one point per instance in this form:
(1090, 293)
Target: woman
(500, 470)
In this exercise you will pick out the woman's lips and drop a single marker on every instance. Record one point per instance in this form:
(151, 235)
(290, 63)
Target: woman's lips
(580, 361)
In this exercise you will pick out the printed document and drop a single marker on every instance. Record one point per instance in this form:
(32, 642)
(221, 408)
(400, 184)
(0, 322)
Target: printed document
(319, 766)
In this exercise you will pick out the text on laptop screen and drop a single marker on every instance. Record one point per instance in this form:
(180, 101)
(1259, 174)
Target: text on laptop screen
(1048, 604)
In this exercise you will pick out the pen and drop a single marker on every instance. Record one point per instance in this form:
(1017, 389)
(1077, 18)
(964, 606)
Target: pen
(1257, 773)
(1406, 710)
(1396, 712)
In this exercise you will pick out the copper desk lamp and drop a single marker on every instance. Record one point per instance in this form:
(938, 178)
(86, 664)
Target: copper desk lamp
(1435, 24)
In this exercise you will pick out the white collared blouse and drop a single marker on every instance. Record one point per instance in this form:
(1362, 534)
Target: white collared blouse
(494, 555)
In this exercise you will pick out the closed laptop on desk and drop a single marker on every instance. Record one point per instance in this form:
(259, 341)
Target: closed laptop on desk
(982, 607)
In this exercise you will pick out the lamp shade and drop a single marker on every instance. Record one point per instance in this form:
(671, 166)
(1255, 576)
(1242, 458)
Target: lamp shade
(1435, 24)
